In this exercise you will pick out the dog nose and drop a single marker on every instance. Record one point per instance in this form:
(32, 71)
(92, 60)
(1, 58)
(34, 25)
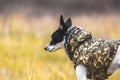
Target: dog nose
(45, 48)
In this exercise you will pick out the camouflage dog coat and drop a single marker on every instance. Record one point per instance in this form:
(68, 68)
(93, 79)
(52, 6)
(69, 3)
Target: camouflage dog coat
(95, 54)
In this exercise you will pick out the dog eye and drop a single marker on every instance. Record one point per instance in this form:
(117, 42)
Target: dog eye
(55, 39)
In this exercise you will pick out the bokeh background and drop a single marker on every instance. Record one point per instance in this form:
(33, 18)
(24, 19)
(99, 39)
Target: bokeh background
(26, 27)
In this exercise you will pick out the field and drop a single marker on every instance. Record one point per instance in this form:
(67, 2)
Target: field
(22, 42)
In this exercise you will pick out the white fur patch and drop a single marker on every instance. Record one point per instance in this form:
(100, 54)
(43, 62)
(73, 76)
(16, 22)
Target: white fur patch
(115, 63)
(81, 72)
(52, 48)
(117, 57)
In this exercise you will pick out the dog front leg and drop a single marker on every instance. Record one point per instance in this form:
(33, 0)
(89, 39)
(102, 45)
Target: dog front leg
(81, 72)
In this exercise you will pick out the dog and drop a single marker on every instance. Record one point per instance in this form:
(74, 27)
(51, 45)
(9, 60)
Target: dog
(92, 58)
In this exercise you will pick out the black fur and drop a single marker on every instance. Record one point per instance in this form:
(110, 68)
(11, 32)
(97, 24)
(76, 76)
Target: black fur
(58, 35)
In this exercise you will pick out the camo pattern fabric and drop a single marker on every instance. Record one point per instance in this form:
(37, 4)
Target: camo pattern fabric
(95, 54)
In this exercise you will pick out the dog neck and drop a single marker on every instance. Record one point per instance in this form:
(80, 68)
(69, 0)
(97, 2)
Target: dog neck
(75, 37)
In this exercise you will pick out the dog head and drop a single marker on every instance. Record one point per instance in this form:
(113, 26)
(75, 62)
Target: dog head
(58, 40)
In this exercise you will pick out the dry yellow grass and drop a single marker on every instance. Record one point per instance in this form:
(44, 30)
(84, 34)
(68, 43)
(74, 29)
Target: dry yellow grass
(22, 41)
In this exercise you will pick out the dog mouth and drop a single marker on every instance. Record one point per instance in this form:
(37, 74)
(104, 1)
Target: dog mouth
(51, 49)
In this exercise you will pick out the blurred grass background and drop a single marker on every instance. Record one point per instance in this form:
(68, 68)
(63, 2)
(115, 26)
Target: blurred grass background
(22, 42)
(26, 27)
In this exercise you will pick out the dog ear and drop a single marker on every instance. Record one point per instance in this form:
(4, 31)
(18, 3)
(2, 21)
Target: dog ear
(62, 23)
(69, 22)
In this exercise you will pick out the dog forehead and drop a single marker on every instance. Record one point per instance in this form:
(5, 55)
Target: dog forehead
(56, 33)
